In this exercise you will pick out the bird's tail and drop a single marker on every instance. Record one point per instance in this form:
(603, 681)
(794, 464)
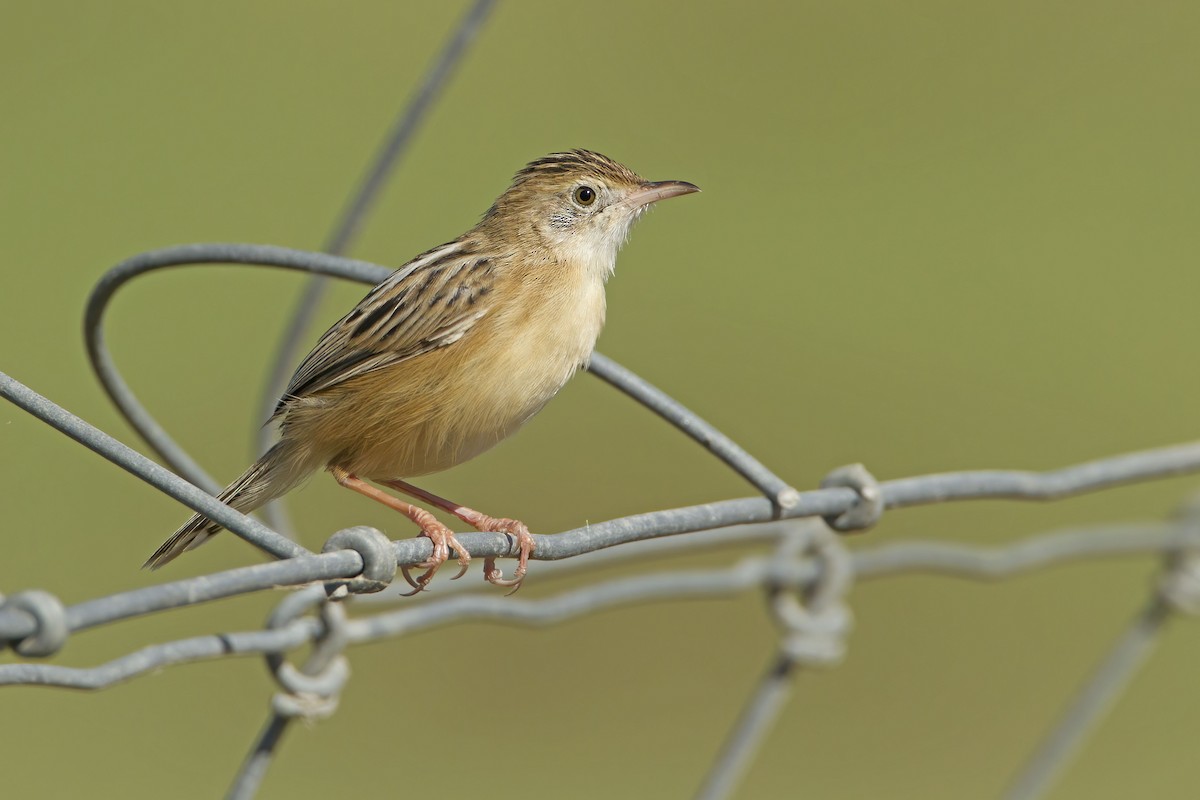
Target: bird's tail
(279, 470)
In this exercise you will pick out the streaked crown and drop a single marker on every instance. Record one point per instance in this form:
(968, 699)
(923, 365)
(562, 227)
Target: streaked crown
(575, 163)
(578, 204)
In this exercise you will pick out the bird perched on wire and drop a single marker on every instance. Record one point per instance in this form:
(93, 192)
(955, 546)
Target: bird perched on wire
(453, 352)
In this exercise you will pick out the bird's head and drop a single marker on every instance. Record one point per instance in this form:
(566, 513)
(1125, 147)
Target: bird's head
(580, 205)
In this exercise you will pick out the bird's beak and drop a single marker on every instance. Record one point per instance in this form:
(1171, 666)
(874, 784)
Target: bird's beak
(653, 191)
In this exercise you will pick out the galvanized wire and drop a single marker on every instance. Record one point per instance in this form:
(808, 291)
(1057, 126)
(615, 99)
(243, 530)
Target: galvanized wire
(848, 491)
(568, 544)
(23, 621)
(106, 288)
(936, 558)
(346, 228)
(780, 497)
(815, 632)
(1178, 591)
(1113, 674)
(36, 624)
(134, 462)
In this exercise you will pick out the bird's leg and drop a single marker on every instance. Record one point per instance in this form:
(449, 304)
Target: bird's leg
(441, 536)
(481, 522)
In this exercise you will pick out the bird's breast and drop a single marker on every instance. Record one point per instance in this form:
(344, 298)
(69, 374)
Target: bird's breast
(447, 406)
(533, 348)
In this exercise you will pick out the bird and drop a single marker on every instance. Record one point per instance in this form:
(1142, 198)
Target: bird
(453, 352)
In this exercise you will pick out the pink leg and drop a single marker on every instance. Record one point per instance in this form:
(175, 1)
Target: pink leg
(481, 522)
(441, 536)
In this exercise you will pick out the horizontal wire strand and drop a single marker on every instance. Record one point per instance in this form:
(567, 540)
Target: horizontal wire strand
(935, 558)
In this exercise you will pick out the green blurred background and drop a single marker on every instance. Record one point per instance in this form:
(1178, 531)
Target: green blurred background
(933, 236)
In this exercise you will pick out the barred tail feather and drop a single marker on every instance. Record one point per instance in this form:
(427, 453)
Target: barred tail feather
(276, 473)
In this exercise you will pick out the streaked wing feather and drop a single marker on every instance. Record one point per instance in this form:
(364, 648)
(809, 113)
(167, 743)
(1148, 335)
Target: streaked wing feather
(430, 302)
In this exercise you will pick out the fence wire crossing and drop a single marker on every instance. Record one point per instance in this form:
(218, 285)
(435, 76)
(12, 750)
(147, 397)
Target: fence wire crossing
(807, 577)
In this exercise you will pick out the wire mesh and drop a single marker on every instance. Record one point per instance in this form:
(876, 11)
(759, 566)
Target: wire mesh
(808, 581)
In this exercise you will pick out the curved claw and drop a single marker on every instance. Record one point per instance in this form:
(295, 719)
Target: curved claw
(464, 558)
(443, 539)
(493, 575)
(412, 593)
(417, 587)
(525, 546)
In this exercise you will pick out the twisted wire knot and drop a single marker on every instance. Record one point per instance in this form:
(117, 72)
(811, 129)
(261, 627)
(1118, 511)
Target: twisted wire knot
(313, 691)
(867, 509)
(814, 618)
(50, 621)
(1179, 585)
(378, 557)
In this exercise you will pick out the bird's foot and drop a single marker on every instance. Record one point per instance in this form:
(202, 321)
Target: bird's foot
(443, 541)
(481, 522)
(441, 536)
(514, 528)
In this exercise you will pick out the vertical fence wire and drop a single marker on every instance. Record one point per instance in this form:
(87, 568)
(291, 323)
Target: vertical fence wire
(1112, 676)
(395, 145)
(804, 581)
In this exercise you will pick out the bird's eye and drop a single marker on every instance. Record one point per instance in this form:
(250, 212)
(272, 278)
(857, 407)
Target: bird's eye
(585, 195)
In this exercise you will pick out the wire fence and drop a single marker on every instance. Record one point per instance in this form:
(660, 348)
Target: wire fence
(807, 579)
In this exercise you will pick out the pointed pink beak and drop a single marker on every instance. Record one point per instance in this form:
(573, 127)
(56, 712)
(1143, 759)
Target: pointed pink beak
(653, 191)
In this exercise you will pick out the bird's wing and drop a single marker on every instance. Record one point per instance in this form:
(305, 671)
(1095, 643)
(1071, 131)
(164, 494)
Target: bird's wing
(428, 303)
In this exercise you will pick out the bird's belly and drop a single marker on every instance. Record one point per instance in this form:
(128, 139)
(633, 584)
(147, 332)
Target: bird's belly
(457, 422)
(467, 399)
